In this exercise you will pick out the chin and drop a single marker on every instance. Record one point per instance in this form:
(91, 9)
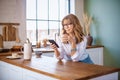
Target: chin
(68, 32)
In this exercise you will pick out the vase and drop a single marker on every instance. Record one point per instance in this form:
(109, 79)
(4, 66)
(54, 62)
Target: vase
(89, 40)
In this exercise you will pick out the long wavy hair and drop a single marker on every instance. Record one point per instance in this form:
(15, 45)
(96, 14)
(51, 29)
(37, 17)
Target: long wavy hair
(77, 30)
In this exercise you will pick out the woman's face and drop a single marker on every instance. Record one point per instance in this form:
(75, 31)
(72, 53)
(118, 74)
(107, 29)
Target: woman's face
(68, 26)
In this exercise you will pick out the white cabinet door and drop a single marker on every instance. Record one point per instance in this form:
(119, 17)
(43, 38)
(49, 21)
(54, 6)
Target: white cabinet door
(96, 55)
(15, 72)
(112, 76)
(4, 71)
(10, 72)
(30, 75)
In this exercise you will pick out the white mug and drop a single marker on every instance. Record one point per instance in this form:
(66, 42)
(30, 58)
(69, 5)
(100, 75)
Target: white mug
(14, 55)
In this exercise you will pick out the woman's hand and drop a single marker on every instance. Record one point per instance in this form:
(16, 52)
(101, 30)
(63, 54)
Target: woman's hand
(53, 46)
(57, 53)
(64, 38)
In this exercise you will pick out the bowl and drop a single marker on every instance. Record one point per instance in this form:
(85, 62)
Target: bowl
(38, 54)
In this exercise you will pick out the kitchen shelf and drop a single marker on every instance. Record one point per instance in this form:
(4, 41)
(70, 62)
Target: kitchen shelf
(9, 23)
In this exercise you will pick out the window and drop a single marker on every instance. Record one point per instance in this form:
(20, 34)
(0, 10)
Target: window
(43, 18)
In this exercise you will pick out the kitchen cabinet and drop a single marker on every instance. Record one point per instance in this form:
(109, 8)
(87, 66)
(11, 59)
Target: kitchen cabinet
(96, 55)
(113, 76)
(3, 71)
(10, 72)
(30, 75)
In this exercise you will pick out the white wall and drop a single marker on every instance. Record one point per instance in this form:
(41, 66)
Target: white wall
(77, 8)
(13, 11)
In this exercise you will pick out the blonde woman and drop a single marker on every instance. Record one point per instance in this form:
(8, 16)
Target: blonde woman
(72, 44)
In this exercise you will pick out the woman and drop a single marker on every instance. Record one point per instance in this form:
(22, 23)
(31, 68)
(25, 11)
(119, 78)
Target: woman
(72, 45)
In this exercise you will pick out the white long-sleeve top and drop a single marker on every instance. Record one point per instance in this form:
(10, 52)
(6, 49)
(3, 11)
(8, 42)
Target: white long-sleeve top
(65, 50)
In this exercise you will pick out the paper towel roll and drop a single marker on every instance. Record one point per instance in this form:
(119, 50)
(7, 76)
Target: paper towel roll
(27, 51)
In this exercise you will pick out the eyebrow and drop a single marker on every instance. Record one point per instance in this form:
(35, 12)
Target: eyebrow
(67, 24)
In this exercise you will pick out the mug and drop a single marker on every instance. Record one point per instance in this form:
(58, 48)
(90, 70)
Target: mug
(14, 55)
(64, 38)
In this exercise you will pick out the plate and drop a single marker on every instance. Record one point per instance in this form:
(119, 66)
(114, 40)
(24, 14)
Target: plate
(10, 57)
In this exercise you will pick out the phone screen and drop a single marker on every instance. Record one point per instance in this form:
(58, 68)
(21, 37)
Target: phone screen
(53, 42)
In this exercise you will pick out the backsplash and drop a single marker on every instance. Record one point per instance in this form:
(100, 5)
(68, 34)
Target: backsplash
(10, 12)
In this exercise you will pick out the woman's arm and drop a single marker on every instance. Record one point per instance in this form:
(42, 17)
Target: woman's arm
(58, 52)
(80, 51)
(73, 44)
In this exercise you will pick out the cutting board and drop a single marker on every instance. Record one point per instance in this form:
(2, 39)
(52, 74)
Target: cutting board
(9, 33)
(1, 41)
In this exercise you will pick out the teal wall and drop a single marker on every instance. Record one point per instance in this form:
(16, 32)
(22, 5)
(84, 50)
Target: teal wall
(105, 28)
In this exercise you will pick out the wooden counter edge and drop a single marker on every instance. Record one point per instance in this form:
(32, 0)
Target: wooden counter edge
(94, 46)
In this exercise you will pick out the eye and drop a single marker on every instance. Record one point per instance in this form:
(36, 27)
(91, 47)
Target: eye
(67, 24)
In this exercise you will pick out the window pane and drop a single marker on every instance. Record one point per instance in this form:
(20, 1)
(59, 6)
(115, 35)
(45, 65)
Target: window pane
(31, 31)
(53, 9)
(53, 26)
(42, 29)
(31, 6)
(42, 9)
(60, 26)
(63, 8)
(46, 20)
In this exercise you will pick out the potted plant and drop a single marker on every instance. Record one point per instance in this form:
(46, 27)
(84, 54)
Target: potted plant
(87, 20)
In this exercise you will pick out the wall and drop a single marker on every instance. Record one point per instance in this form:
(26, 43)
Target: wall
(13, 11)
(77, 8)
(105, 28)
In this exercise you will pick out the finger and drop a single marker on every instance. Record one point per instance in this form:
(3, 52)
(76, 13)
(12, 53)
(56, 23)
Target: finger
(54, 46)
(51, 45)
(64, 39)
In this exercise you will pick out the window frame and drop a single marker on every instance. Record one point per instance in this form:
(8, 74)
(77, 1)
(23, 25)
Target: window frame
(37, 20)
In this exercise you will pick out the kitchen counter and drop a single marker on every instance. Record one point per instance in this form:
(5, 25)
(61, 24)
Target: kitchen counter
(63, 70)
(48, 49)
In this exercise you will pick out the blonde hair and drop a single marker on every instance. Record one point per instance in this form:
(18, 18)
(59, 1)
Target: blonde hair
(77, 30)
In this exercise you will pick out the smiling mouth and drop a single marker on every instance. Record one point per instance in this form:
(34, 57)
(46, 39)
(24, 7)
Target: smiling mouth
(67, 29)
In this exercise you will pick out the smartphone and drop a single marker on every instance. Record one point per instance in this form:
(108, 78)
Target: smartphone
(53, 42)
